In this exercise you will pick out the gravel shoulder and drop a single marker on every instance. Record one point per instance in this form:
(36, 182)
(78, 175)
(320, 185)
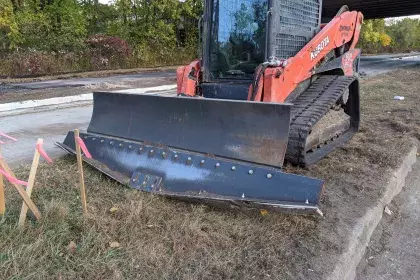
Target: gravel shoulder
(9, 93)
(102, 73)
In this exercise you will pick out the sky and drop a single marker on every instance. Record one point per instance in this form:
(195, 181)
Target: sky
(418, 16)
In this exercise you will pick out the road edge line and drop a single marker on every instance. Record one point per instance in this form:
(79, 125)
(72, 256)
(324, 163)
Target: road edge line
(28, 104)
(21, 107)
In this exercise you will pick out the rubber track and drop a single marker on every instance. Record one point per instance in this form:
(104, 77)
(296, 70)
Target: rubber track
(308, 109)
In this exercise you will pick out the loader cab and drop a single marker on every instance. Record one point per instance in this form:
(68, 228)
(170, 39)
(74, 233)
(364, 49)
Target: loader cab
(239, 35)
(237, 38)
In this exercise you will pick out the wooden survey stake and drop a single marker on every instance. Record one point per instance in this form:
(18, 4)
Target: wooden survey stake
(31, 183)
(2, 195)
(2, 199)
(80, 169)
(21, 190)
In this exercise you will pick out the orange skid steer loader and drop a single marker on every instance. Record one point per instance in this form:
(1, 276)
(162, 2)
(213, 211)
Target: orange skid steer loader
(273, 84)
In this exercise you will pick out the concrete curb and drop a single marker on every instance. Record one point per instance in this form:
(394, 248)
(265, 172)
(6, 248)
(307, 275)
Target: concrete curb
(363, 230)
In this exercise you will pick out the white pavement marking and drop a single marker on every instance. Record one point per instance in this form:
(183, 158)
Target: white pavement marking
(44, 102)
(149, 90)
(76, 98)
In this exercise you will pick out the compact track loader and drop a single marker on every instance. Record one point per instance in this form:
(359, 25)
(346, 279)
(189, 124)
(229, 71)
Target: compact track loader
(273, 84)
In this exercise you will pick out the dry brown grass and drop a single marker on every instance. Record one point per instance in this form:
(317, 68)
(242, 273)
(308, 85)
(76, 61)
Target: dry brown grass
(165, 239)
(159, 238)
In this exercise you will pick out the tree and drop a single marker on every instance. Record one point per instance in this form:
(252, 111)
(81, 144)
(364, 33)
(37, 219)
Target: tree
(374, 37)
(53, 25)
(405, 34)
(9, 30)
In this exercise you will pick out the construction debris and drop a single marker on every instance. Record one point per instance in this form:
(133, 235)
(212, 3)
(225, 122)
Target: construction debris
(388, 211)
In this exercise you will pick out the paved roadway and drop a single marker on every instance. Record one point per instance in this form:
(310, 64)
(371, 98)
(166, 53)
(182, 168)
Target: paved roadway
(374, 65)
(50, 125)
(79, 82)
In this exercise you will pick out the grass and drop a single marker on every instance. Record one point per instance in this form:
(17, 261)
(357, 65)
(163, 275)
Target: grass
(159, 238)
(166, 239)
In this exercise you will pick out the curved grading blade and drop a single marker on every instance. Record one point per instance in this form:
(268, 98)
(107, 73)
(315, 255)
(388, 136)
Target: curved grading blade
(225, 153)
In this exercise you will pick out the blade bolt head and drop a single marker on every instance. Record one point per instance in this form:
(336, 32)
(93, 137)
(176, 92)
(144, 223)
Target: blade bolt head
(121, 145)
(217, 164)
(130, 147)
(110, 143)
(102, 140)
(250, 172)
(175, 156)
(233, 168)
(203, 161)
(307, 201)
(189, 159)
(93, 139)
(163, 154)
(269, 176)
(243, 195)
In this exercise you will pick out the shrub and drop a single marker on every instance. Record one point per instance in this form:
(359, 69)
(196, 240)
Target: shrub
(108, 51)
(30, 63)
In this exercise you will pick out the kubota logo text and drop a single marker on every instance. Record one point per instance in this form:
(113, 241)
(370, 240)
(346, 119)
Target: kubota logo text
(320, 47)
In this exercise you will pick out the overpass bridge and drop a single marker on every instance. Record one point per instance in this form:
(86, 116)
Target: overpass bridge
(373, 8)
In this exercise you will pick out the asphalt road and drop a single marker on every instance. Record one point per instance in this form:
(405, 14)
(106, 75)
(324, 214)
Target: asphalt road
(52, 126)
(375, 65)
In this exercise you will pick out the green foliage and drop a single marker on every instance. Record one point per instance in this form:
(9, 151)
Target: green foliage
(152, 26)
(57, 26)
(9, 30)
(38, 36)
(374, 36)
(406, 34)
(380, 35)
(157, 32)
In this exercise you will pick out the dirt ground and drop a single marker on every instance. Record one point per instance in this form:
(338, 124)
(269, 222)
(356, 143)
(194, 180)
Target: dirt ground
(165, 239)
(102, 73)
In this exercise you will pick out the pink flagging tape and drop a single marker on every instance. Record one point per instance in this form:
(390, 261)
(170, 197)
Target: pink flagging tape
(7, 136)
(41, 151)
(84, 148)
(12, 179)
(1, 142)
